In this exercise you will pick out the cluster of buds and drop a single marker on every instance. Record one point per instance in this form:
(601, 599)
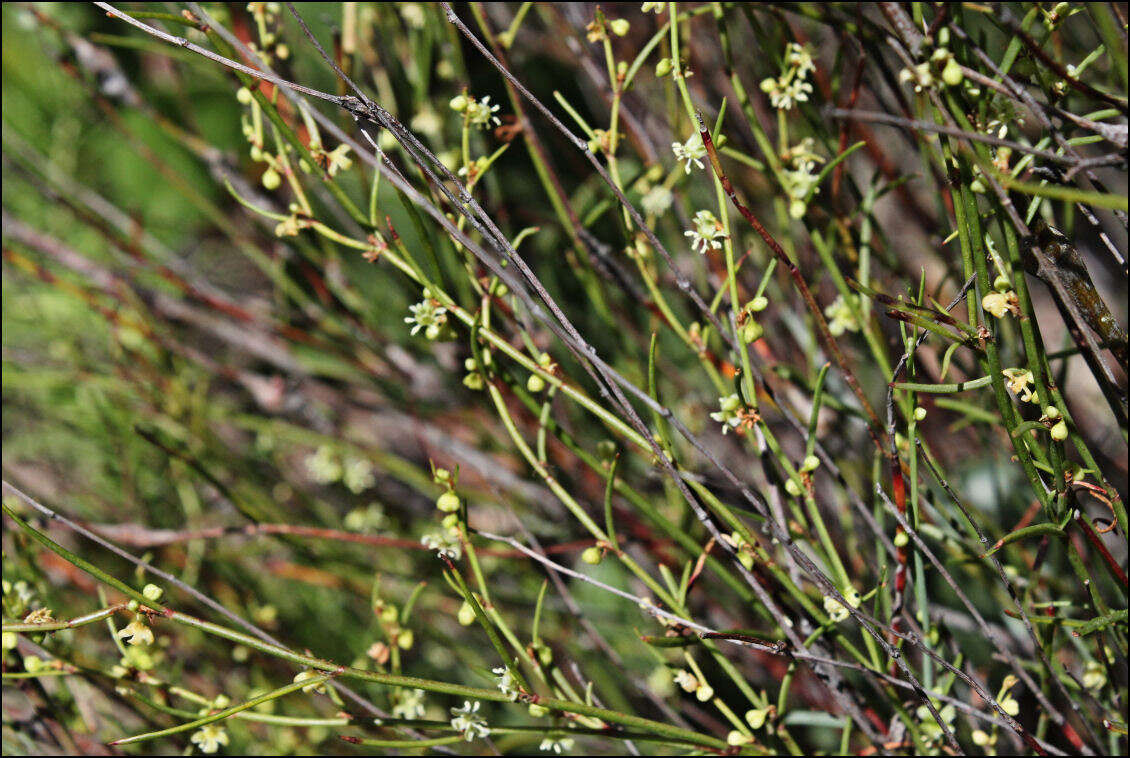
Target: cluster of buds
(430, 315)
(941, 67)
(791, 87)
(266, 17)
(749, 329)
(598, 29)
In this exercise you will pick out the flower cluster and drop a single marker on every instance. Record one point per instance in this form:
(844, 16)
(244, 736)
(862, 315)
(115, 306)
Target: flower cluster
(931, 730)
(842, 317)
(209, 738)
(658, 199)
(941, 67)
(429, 315)
(1020, 381)
(506, 682)
(557, 745)
(791, 87)
(468, 722)
(1001, 303)
(327, 466)
(707, 233)
(478, 113)
(729, 416)
(694, 683)
(691, 151)
(803, 177)
(444, 543)
(409, 704)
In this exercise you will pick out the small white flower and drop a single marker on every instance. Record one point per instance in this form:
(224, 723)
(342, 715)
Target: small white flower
(842, 318)
(691, 151)
(728, 416)
(1018, 381)
(426, 313)
(686, 680)
(1001, 303)
(444, 543)
(790, 87)
(506, 682)
(357, 475)
(480, 113)
(324, 465)
(409, 704)
(707, 233)
(137, 633)
(656, 8)
(468, 721)
(657, 200)
(336, 159)
(413, 15)
(428, 122)
(209, 738)
(799, 57)
(1094, 676)
(559, 744)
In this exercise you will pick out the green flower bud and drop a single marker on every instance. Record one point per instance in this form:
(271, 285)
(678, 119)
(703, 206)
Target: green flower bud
(535, 383)
(405, 639)
(1002, 283)
(1051, 412)
(10, 640)
(606, 450)
(756, 717)
(663, 68)
(758, 304)
(750, 331)
(591, 555)
(388, 614)
(545, 655)
(458, 103)
(792, 487)
(243, 95)
(731, 403)
(271, 179)
(919, 413)
(537, 711)
(797, 209)
(952, 74)
(448, 502)
(901, 539)
(620, 27)
(152, 592)
(1059, 431)
(466, 615)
